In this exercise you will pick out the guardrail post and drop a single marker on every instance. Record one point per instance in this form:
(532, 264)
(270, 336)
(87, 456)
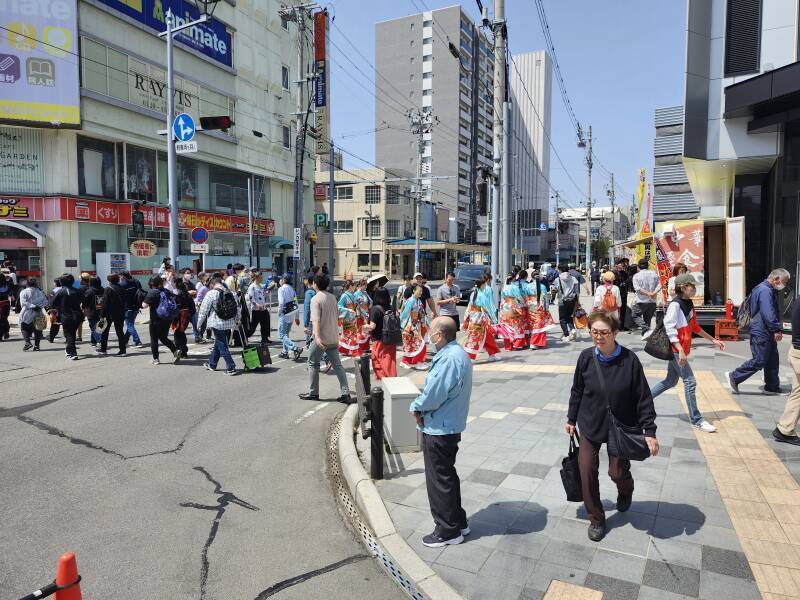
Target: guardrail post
(376, 439)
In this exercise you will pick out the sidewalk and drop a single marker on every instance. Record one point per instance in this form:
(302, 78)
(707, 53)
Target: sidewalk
(713, 516)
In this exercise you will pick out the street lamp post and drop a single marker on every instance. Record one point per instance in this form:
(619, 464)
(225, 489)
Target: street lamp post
(207, 11)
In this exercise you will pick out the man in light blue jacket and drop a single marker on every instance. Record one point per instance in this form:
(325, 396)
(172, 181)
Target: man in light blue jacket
(441, 413)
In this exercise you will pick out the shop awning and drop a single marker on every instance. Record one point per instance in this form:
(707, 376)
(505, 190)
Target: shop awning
(280, 243)
(635, 242)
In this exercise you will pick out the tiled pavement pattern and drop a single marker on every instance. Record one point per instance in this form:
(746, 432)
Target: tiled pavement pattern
(679, 539)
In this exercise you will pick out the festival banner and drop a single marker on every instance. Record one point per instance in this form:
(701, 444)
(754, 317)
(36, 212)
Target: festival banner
(685, 245)
(663, 267)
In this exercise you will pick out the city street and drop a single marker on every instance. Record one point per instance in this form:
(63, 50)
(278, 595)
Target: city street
(171, 481)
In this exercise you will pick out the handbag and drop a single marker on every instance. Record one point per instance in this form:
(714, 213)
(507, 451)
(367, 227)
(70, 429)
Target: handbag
(658, 345)
(570, 473)
(624, 441)
(579, 318)
(40, 320)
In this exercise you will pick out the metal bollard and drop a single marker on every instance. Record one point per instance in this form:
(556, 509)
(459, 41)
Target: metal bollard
(376, 437)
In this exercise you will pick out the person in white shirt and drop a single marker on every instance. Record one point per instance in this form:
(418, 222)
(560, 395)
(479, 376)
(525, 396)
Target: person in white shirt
(647, 285)
(256, 299)
(607, 296)
(287, 314)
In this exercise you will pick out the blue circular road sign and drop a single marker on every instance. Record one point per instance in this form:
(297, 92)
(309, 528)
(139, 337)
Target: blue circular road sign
(199, 235)
(183, 129)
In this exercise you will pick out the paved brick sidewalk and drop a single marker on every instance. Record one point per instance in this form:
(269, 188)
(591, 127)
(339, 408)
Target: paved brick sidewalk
(677, 540)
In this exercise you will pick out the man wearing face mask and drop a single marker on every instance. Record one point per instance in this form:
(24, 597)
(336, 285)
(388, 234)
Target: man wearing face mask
(765, 333)
(441, 413)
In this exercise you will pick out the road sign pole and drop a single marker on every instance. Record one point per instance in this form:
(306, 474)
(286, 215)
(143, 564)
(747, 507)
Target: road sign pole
(171, 158)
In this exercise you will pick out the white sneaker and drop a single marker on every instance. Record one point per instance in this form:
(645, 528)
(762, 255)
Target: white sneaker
(155, 361)
(705, 426)
(494, 358)
(421, 367)
(573, 335)
(405, 365)
(565, 338)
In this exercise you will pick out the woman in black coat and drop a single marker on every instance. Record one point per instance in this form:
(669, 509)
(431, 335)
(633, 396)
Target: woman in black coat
(631, 402)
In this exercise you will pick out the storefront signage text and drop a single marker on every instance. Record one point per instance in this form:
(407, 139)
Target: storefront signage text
(212, 38)
(143, 249)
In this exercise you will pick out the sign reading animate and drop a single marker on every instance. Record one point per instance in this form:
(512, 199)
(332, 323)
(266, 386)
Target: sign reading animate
(322, 85)
(39, 62)
(211, 39)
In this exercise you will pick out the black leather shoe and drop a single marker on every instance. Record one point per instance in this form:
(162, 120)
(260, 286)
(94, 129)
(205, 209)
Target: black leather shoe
(623, 503)
(305, 396)
(786, 439)
(596, 532)
(345, 399)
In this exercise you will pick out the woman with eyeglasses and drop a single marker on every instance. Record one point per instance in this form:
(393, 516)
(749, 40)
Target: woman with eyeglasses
(626, 394)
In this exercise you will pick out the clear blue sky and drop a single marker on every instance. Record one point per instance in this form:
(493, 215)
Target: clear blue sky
(620, 60)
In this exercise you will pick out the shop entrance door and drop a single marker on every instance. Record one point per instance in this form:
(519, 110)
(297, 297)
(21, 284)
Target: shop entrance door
(23, 247)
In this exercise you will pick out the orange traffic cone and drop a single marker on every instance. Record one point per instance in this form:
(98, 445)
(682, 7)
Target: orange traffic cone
(67, 577)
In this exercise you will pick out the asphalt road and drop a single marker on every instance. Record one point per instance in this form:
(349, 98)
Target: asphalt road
(170, 481)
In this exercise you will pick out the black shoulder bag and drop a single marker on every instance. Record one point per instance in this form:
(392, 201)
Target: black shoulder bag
(624, 441)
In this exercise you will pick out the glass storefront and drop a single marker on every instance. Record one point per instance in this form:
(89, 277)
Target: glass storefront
(786, 214)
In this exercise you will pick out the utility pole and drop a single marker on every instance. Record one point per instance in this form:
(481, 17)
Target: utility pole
(505, 258)
(421, 123)
(299, 15)
(558, 246)
(331, 196)
(582, 144)
(498, 131)
(612, 196)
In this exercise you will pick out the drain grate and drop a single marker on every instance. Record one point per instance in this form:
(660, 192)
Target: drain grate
(351, 510)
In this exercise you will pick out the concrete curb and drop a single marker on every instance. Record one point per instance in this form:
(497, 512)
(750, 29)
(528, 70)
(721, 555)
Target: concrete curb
(368, 500)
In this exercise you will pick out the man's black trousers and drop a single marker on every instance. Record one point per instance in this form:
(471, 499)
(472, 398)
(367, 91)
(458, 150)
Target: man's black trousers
(444, 487)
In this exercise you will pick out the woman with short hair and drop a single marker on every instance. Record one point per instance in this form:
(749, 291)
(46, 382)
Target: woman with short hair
(608, 378)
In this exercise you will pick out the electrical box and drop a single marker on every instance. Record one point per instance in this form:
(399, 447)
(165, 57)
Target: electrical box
(400, 427)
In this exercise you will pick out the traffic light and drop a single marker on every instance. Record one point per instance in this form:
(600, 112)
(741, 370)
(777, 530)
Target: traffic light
(138, 222)
(222, 123)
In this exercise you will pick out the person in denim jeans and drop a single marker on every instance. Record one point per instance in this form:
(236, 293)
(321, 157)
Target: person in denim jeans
(680, 324)
(132, 289)
(222, 327)
(92, 294)
(287, 314)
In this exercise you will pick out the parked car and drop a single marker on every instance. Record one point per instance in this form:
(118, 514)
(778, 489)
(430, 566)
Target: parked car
(465, 278)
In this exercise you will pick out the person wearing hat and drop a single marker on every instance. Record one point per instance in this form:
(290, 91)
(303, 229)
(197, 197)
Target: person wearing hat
(680, 325)
(647, 285)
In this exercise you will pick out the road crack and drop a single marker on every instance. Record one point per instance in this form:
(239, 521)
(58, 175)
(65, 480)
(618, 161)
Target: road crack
(18, 412)
(287, 583)
(225, 499)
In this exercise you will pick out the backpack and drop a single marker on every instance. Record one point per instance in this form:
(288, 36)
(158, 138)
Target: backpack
(167, 308)
(226, 307)
(743, 316)
(609, 300)
(551, 275)
(567, 296)
(392, 333)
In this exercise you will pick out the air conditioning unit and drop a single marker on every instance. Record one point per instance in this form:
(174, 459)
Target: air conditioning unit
(669, 230)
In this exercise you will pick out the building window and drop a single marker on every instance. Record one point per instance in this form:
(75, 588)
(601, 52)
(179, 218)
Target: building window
(427, 58)
(372, 194)
(428, 75)
(406, 197)
(392, 229)
(287, 137)
(140, 169)
(343, 226)
(372, 228)
(186, 177)
(284, 77)
(363, 260)
(742, 37)
(344, 192)
(427, 40)
(408, 229)
(428, 23)
(392, 194)
(284, 22)
(427, 92)
(97, 168)
(228, 189)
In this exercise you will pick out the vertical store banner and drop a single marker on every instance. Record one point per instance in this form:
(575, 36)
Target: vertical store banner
(211, 39)
(321, 88)
(686, 245)
(39, 63)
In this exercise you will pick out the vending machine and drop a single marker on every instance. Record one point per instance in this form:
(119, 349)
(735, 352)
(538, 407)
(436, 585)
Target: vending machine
(112, 262)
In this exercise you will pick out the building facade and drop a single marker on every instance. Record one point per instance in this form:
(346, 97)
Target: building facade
(742, 134)
(413, 54)
(672, 194)
(603, 223)
(531, 97)
(77, 178)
